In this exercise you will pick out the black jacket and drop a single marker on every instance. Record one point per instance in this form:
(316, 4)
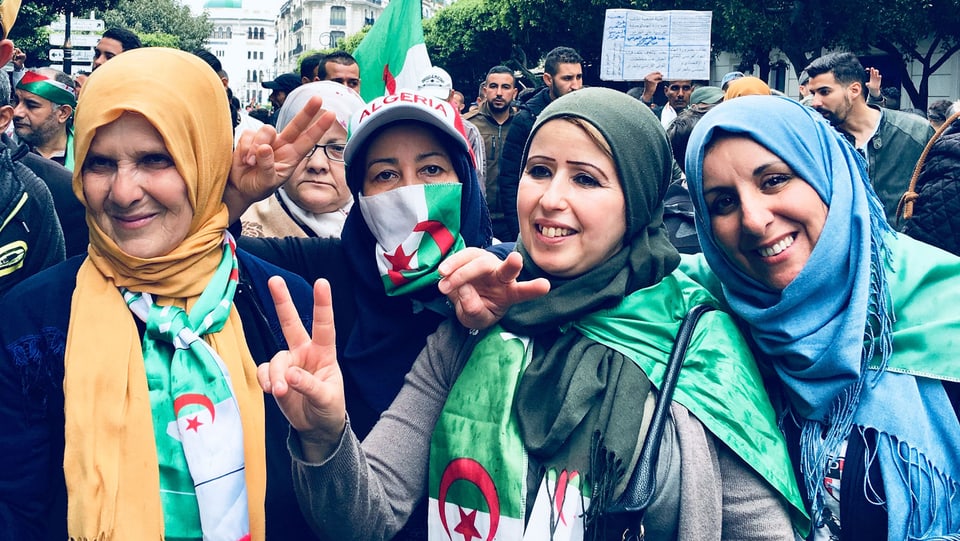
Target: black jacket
(30, 235)
(59, 181)
(936, 212)
(509, 178)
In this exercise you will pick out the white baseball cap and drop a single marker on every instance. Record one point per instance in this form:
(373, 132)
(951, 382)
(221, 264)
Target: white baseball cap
(436, 83)
(404, 105)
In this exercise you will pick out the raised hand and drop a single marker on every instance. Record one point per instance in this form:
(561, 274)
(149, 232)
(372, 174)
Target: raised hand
(264, 159)
(873, 84)
(306, 379)
(482, 287)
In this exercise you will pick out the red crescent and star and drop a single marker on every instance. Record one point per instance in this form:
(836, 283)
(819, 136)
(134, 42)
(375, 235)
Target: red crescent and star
(468, 469)
(192, 398)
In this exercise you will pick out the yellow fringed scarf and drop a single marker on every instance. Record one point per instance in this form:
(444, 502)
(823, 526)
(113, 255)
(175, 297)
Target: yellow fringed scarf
(110, 458)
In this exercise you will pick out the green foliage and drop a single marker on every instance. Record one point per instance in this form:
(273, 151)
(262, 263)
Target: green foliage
(352, 41)
(466, 39)
(78, 7)
(154, 17)
(160, 39)
(30, 33)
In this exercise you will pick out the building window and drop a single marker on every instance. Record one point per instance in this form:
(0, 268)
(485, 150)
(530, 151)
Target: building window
(229, 33)
(336, 37)
(262, 32)
(338, 15)
(249, 33)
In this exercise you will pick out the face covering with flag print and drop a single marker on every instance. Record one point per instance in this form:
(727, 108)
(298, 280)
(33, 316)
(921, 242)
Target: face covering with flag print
(416, 227)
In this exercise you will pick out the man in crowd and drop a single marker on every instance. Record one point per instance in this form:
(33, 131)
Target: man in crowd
(562, 74)
(43, 116)
(113, 42)
(310, 68)
(677, 92)
(494, 118)
(281, 86)
(340, 67)
(891, 141)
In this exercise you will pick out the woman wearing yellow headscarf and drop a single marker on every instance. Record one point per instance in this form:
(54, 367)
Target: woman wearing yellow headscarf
(132, 370)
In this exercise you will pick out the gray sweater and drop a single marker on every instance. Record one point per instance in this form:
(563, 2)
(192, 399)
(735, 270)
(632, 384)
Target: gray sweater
(366, 491)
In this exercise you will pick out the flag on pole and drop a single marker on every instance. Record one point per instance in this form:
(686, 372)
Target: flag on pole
(393, 55)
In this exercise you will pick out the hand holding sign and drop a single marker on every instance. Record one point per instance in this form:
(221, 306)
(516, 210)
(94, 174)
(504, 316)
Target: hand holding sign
(306, 379)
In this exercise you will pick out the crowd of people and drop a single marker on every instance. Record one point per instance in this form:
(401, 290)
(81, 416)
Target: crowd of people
(716, 313)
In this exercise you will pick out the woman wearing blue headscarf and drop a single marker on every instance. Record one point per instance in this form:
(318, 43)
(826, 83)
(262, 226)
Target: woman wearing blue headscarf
(845, 312)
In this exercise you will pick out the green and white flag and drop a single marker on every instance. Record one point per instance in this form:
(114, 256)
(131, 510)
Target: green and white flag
(416, 227)
(393, 55)
(478, 464)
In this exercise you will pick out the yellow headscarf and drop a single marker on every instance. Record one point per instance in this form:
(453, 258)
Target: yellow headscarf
(110, 458)
(746, 86)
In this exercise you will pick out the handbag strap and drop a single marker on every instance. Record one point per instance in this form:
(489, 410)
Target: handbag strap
(905, 206)
(643, 482)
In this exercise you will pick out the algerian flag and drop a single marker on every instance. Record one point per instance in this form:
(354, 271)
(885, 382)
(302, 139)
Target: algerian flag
(478, 464)
(393, 55)
(416, 227)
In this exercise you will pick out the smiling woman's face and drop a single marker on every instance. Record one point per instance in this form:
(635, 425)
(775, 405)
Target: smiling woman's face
(133, 189)
(764, 217)
(570, 202)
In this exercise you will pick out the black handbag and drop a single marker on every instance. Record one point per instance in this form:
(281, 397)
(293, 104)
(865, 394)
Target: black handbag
(631, 506)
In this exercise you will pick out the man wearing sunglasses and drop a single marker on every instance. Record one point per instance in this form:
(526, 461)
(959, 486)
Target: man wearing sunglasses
(677, 92)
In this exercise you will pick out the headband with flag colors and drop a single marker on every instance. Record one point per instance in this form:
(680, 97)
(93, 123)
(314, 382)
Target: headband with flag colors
(393, 54)
(48, 88)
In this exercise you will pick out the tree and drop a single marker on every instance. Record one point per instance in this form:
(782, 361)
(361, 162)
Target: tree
(466, 39)
(30, 33)
(928, 33)
(353, 40)
(149, 17)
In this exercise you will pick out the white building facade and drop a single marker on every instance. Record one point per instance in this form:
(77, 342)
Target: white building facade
(305, 25)
(244, 40)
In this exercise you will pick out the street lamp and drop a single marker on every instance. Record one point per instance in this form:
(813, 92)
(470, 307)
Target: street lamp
(325, 40)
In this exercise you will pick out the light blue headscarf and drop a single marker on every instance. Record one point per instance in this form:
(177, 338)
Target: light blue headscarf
(821, 331)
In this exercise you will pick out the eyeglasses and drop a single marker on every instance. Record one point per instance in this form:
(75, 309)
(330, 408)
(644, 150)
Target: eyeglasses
(334, 151)
(676, 88)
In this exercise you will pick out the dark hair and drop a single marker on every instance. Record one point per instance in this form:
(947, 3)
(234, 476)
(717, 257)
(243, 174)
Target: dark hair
(678, 132)
(937, 112)
(337, 57)
(59, 77)
(310, 64)
(128, 40)
(210, 58)
(260, 114)
(846, 68)
(501, 69)
(560, 55)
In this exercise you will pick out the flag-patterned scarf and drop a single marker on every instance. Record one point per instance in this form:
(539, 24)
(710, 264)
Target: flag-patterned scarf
(196, 421)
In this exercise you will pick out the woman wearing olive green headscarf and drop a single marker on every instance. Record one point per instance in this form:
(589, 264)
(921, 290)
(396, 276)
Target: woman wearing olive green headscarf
(544, 414)
(156, 331)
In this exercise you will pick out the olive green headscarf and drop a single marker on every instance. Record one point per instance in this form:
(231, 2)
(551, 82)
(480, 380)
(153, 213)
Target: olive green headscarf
(574, 386)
